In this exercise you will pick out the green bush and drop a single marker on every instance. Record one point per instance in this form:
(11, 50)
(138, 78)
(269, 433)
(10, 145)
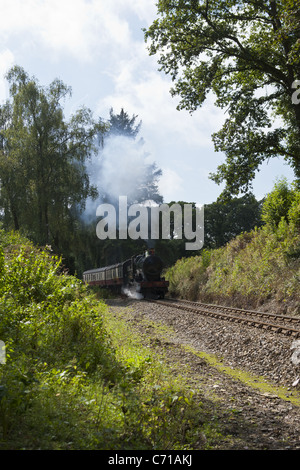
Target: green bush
(48, 323)
(253, 267)
(69, 381)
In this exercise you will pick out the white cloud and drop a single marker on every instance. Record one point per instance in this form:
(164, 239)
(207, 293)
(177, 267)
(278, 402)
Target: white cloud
(6, 61)
(170, 184)
(77, 27)
(98, 31)
(144, 9)
(97, 46)
(140, 89)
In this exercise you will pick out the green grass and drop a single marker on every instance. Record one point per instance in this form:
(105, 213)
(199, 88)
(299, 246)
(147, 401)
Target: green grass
(75, 377)
(253, 381)
(252, 268)
(78, 377)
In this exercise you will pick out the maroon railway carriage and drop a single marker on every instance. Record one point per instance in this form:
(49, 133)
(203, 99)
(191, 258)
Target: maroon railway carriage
(141, 273)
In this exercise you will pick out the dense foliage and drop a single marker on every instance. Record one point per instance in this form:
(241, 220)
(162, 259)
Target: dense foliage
(256, 266)
(46, 167)
(75, 377)
(54, 173)
(246, 54)
(42, 159)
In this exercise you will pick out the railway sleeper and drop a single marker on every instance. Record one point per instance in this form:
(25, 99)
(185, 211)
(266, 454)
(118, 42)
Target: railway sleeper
(235, 319)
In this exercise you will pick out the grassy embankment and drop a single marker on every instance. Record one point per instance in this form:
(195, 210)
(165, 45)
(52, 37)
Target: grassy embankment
(258, 268)
(74, 377)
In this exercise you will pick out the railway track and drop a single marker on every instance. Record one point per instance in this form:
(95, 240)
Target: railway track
(269, 321)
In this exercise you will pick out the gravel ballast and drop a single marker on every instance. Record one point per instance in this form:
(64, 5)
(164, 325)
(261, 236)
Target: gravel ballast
(263, 419)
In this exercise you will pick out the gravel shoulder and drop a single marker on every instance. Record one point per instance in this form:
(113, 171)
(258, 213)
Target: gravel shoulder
(244, 375)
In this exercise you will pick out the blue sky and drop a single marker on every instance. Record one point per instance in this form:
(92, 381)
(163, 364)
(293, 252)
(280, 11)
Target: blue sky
(97, 47)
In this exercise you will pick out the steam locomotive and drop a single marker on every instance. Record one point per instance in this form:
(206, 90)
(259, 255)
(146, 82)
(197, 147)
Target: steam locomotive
(140, 274)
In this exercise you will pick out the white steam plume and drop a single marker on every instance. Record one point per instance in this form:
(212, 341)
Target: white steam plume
(118, 169)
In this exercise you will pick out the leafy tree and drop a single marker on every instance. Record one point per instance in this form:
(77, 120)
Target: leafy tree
(224, 220)
(42, 159)
(281, 215)
(281, 203)
(248, 54)
(12, 177)
(294, 212)
(122, 124)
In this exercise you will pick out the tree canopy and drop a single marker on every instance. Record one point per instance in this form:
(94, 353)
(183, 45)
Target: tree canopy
(46, 166)
(282, 203)
(226, 220)
(122, 124)
(42, 158)
(247, 53)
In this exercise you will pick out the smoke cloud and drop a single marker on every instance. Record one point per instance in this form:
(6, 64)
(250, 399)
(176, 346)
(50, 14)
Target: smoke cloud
(120, 168)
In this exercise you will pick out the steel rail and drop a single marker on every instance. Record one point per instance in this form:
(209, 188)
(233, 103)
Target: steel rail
(211, 310)
(243, 311)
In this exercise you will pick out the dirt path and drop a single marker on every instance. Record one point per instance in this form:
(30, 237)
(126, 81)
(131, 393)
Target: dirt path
(250, 415)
